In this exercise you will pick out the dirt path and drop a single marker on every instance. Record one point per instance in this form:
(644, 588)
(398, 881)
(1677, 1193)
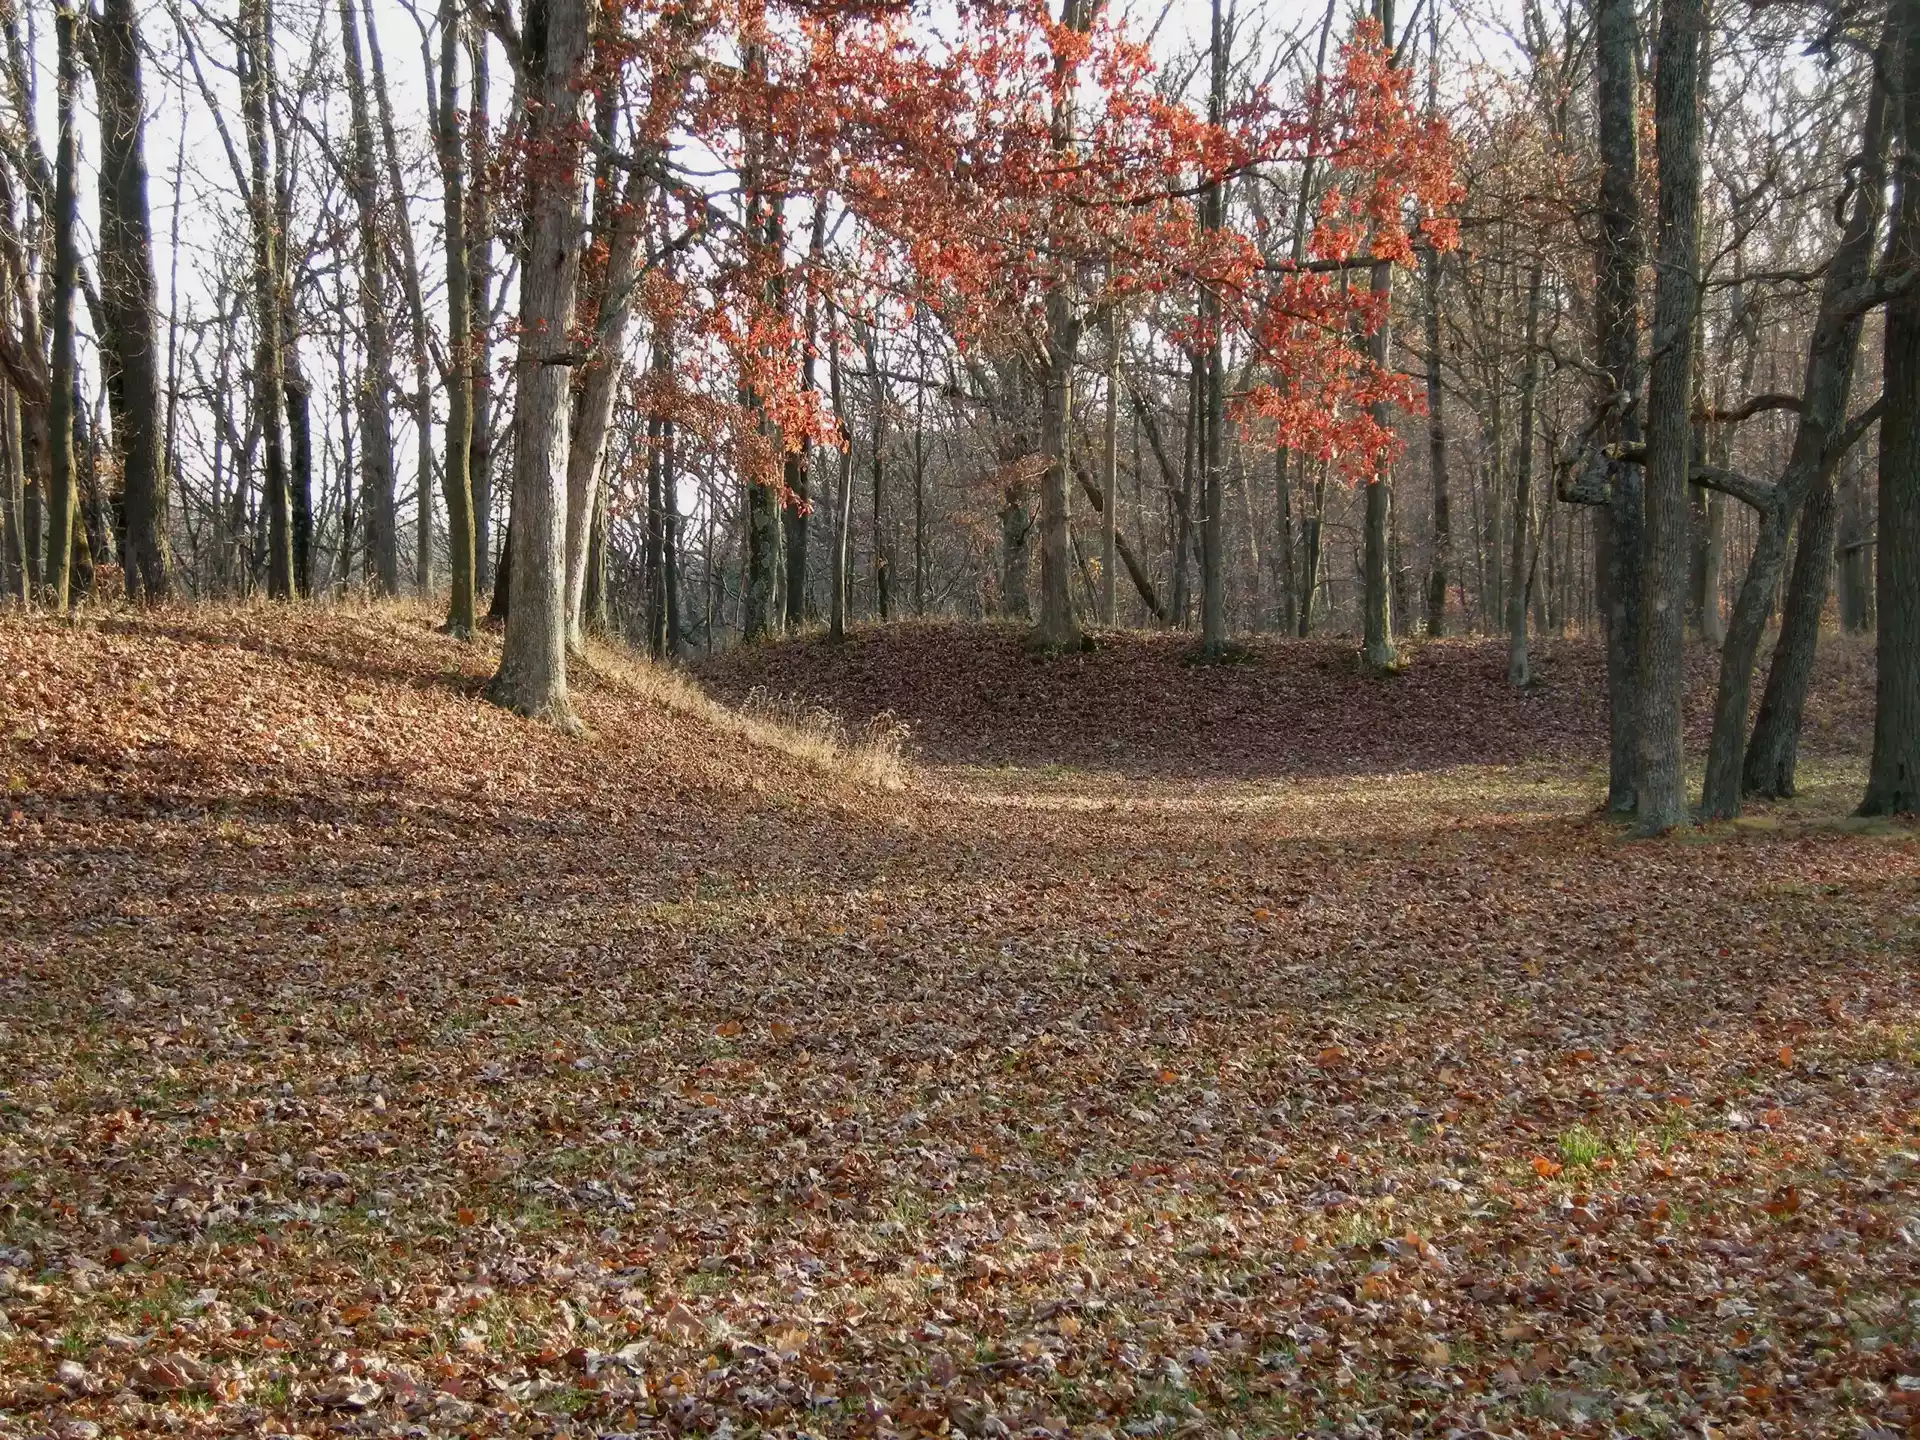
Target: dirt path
(358, 1076)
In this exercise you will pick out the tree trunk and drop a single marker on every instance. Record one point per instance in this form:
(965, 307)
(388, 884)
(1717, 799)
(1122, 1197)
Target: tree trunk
(1774, 747)
(1110, 481)
(256, 91)
(456, 467)
(479, 235)
(13, 536)
(375, 395)
(1617, 326)
(62, 492)
(1059, 627)
(532, 678)
(1825, 388)
(605, 369)
(1377, 650)
(799, 508)
(843, 505)
(1893, 780)
(127, 290)
(1660, 779)
(1519, 671)
(416, 312)
(1213, 589)
(297, 398)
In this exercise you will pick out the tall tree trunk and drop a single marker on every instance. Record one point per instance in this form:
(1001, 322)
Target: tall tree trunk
(1519, 670)
(1660, 779)
(1825, 389)
(410, 287)
(1774, 748)
(127, 290)
(256, 93)
(606, 367)
(1442, 560)
(1110, 480)
(456, 466)
(882, 570)
(1058, 627)
(799, 508)
(62, 491)
(1617, 326)
(843, 504)
(532, 678)
(1213, 587)
(479, 233)
(1377, 649)
(297, 397)
(1893, 780)
(1310, 529)
(375, 395)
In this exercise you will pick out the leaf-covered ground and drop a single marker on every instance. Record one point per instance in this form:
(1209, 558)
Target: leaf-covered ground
(375, 1063)
(1136, 704)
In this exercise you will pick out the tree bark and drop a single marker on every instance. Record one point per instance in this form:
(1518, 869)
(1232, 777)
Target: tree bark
(1617, 326)
(456, 467)
(62, 492)
(1660, 672)
(479, 233)
(416, 311)
(532, 679)
(1893, 779)
(1110, 480)
(843, 505)
(1058, 627)
(127, 289)
(375, 395)
(1519, 670)
(1774, 748)
(1377, 649)
(606, 367)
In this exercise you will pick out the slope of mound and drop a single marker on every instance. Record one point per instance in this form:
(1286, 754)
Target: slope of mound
(1137, 704)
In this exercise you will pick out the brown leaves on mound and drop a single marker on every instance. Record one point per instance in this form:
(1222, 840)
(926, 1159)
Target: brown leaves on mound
(377, 1063)
(1138, 704)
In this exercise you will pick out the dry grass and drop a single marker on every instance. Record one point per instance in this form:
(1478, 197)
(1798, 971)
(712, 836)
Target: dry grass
(811, 734)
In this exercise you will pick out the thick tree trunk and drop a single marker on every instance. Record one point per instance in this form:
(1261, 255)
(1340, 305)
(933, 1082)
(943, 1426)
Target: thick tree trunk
(127, 290)
(375, 396)
(1617, 326)
(298, 400)
(1660, 779)
(456, 476)
(62, 491)
(532, 678)
(1893, 780)
(1058, 627)
(1774, 747)
(1825, 388)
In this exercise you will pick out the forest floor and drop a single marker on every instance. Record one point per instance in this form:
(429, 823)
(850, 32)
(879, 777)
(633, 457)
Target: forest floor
(1153, 1051)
